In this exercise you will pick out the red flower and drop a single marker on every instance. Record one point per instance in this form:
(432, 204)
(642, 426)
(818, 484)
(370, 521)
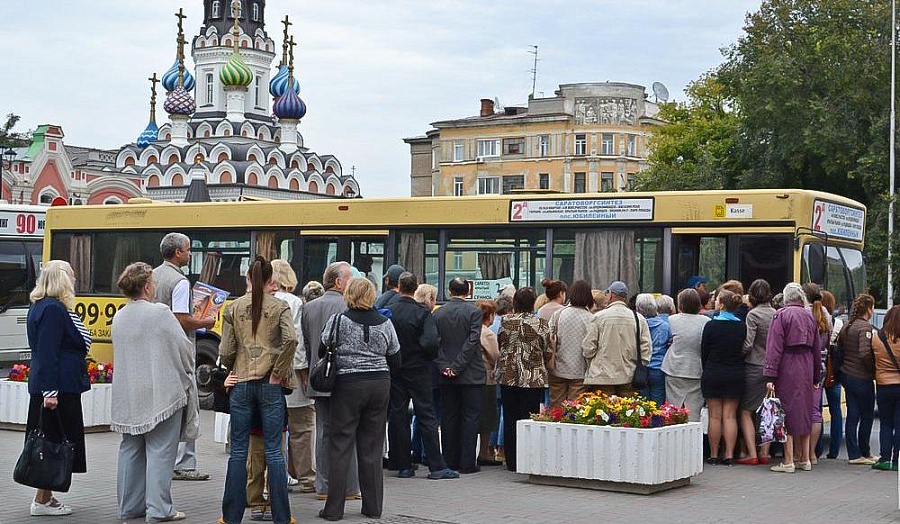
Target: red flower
(556, 413)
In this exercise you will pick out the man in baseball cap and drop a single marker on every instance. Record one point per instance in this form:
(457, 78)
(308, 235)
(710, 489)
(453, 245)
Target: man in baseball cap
(611, 345)
(391, 283)
(697, 282)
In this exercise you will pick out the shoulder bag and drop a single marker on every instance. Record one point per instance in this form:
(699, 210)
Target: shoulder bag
(554, 339)
(45, 464)
(324, 373)
(641, 378)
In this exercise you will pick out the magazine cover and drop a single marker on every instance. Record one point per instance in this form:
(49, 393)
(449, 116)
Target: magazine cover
(208, 300)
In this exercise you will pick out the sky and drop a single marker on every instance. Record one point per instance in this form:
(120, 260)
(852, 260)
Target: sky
(371, 72)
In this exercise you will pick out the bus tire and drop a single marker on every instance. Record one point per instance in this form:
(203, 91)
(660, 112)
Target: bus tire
(207, 353)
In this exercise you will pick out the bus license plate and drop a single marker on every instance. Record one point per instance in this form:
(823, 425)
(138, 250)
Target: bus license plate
(24, 355)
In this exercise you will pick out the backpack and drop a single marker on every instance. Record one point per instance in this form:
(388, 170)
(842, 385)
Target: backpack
(836, 354)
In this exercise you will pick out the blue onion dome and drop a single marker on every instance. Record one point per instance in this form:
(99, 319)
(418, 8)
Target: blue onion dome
(279, 83)
(170, 79)
(148, 136)
(289, 106)
(179, 102)
(235, 72)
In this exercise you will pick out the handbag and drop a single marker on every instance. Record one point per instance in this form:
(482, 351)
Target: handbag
(324, 373)
(45, 464)
(641, 377)
(771, 420)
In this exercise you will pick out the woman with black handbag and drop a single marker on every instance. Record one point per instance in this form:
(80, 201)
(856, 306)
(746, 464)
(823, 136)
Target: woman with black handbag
(59, 344)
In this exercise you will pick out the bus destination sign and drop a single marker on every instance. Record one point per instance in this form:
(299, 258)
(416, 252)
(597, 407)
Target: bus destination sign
(615, 209)
(21, 224)
(838, 221)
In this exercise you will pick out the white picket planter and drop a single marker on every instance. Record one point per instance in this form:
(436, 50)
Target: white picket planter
(609, 458)
(95, 405)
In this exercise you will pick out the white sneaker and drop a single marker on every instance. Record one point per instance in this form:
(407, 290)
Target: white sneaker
(51, 508)
(783, 468)
(861, 461)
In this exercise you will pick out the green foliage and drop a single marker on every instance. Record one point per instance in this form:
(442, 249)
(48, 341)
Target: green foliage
(10, 138)
(802, 100)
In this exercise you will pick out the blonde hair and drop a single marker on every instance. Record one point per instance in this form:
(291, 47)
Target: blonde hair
(284, 275)
(425, 294)
(541, 300)
(57, 280)
(359, 293)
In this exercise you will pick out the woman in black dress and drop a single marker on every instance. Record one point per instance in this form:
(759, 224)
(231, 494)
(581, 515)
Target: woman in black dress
(722, 382)
(59, 344)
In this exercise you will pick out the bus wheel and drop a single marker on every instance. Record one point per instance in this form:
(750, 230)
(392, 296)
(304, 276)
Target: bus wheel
(207, 350)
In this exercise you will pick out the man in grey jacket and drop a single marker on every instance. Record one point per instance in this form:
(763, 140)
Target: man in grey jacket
(315, 315)
(462, 377)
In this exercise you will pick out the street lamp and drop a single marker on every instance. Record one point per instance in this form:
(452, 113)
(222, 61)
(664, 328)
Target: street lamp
(890, 273)
(10, 155)
(350, 193)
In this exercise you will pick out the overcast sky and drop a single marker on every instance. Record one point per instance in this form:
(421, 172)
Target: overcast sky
(371, 72)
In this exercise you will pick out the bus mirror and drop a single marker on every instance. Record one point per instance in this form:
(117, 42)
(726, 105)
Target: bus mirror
(815, 261)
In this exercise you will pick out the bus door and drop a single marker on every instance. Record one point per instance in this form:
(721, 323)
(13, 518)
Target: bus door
(363, 250)
(744, 256)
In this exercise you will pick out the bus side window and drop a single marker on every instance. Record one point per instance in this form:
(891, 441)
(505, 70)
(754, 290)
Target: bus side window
(13, 275)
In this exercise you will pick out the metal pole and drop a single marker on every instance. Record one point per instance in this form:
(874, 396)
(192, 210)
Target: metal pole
(890, 273)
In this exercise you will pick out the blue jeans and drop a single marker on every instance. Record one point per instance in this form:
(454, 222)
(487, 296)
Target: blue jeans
(860, 415)
(836, 432)
(268, 401)
(497, 434)
(889, 415)
(418, 444)
(656, 390)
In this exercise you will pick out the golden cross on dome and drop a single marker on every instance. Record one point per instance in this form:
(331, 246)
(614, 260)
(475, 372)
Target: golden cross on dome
(291, 62)
(153, 81)
(236, 14)
(180, 52)
(284, 56)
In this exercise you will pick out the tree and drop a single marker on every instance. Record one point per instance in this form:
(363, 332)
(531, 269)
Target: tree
(696, 149)
(10, 138)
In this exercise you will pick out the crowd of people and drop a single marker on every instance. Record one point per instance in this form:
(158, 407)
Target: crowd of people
(469, 370)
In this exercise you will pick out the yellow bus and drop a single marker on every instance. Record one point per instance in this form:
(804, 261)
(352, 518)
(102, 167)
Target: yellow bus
(652, 241)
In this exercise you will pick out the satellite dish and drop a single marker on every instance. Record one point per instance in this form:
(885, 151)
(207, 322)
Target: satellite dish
(498, 107)
(660, 92)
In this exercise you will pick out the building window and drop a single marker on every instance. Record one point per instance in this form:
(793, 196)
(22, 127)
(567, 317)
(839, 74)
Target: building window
(457, 261)
(513, 146)
(631, 181)
(458, 186)
(513, 182)
(580, 144)
(489, 148)
(544, 145)
(256, 95)
(255, 14)
(489, 185)
(216, 9)
(46, 198)
(209, 88)
(606, 144)
(632, 145)
(544, 180)
(435, 159)
(580, 183)
(606, 182)
(458, 151)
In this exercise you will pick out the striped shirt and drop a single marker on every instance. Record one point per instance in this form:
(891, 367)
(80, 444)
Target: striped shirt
(85, 334)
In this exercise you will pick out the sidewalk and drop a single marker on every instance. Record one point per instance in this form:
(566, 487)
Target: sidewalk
(832, 492)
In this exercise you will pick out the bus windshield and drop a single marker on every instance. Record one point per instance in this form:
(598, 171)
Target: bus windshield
(841, 270)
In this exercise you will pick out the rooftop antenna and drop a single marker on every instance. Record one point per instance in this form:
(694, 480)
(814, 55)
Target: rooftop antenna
(660, 92)
(534, 69)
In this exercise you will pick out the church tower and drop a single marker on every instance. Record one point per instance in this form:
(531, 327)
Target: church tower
(213, 49)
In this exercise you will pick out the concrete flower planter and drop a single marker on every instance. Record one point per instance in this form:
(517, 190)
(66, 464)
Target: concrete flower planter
(14, 399)
(632, 460)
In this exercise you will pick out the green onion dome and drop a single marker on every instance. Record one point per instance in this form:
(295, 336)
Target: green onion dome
(236, 72)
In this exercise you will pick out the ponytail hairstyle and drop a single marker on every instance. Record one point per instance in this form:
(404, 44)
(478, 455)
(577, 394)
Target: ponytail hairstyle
(259, 275)
(729, 300)
(814, 296)
(553, 288)
(861, 305)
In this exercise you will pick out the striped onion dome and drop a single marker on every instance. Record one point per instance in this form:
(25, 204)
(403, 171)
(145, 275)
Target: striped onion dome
(179, 102)
(289, 106)
(170, 79)
(279, 83)
(235, 72)
(148, 136)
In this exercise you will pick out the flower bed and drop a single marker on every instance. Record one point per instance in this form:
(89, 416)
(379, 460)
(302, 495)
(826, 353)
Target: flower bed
(610, 443)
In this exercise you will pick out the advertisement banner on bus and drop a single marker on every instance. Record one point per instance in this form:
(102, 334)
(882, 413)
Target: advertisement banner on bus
(97, 314)
(615, 209)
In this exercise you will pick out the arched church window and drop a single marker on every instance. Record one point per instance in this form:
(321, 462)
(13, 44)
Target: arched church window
(216, 8)
(46, 198)
(256, 95)
(209, 88)
(255, 12)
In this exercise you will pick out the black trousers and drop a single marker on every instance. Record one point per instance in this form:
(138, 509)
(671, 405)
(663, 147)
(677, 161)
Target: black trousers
(415, 386)
(518, 404)
(358, 414)
(460, 417)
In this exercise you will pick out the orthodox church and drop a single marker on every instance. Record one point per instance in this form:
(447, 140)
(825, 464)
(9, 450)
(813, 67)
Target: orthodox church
(232, 130)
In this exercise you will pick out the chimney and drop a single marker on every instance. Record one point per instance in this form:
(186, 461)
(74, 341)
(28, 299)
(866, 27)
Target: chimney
(487, 107)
